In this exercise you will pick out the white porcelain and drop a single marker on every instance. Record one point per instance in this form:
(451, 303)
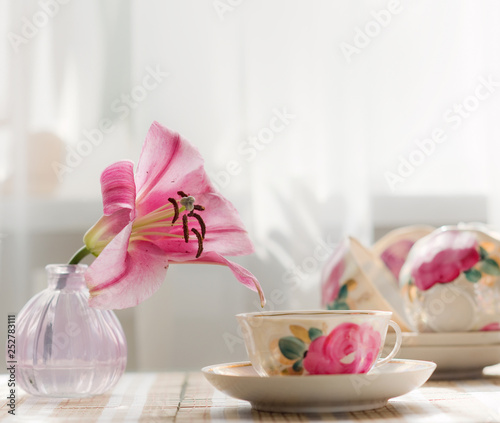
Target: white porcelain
(312, 342)
(322, 393)
(450, 281)
(455, 361)
(457, 354)
(393, 247)
(356, 279)
(481, 226)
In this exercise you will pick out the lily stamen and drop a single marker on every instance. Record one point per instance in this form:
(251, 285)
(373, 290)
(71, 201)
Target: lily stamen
(176, 209)
(201, 222)
(167, 215)
(156, 225)
(200, 242)
(143, 234)
(157, 215)
(185, 227)
(188, 202)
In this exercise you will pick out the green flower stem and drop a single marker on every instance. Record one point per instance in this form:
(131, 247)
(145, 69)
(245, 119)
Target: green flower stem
(79, 255)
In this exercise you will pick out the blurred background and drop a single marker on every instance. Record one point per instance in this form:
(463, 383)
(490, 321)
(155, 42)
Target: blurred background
(316, 119)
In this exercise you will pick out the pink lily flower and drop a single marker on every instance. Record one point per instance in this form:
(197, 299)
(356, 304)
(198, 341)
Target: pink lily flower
(169, 212)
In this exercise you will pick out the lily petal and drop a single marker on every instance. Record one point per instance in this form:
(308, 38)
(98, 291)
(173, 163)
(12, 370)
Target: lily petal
(106, 228)
(226, 232)
(242, 274)
(118, 187)
(164, 152)
(125, 275)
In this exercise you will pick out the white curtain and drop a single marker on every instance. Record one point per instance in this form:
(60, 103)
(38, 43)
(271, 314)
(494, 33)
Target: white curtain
(304, 111)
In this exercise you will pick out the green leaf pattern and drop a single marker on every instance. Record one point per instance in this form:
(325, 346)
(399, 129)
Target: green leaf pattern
(490, 267)
(472, 275)
(343, 292)
(315, 333)
(340, 303)
(292, 347)
(486, 265)
(295, 349)
(298, 366)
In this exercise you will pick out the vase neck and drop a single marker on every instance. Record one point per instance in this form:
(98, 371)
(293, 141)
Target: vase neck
(66, 276)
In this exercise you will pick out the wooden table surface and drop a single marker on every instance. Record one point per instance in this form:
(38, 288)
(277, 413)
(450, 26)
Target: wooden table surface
(187, 396)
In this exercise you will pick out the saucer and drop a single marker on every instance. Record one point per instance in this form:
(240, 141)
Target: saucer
(458, 355)
(455, 361)
(433, 339)
(319, 393)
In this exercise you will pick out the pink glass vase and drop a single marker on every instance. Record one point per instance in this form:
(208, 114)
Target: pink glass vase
(64, 348)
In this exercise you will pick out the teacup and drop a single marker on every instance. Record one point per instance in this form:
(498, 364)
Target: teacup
(393, 247)
(317, 342)
(451, 280)
(355, 279)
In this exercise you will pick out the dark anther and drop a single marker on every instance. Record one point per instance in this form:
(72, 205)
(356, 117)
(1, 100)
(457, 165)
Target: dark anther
(200, 242)
(201, 222)
(198, 207)
(176, 209)
(182, 194)
(185, 227)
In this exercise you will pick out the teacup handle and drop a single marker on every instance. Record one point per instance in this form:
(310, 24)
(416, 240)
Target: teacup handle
(397, 345)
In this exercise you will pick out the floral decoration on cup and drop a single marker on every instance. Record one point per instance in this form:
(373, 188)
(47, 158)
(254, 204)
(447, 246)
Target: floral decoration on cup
(317, 343)
(348, 348)
(450, 280)
(291, 350)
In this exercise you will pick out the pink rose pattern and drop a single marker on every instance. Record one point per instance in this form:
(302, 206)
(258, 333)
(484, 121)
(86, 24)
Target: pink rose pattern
(491, 327)
(349, 348)
(433, 264)
(395, 256)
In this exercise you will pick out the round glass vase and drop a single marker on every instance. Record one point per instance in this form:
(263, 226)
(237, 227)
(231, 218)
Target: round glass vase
(64, 348)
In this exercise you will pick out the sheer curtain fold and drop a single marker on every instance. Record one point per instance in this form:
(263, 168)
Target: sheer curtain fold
(297, 134)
